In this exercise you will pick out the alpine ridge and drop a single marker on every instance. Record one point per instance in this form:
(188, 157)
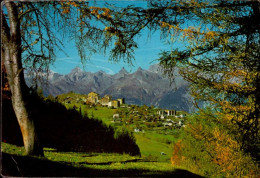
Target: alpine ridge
(147, 87)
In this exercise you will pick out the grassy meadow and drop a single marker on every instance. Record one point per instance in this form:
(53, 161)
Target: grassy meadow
(88, 164)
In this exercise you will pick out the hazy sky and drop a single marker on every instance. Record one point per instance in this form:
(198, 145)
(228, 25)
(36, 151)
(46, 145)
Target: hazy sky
(145, 55)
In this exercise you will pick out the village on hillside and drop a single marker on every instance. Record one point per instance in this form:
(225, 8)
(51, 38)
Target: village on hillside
(94, 99)
(123, 113)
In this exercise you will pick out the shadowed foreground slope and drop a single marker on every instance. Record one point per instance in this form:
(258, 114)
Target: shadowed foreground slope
(14, 165)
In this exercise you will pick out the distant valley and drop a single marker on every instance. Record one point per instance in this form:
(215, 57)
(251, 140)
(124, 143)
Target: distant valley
(147, 87)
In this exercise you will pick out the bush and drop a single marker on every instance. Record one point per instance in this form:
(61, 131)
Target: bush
(125, 137)
(122, 132)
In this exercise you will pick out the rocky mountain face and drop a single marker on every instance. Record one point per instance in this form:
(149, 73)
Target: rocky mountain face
(148, 87)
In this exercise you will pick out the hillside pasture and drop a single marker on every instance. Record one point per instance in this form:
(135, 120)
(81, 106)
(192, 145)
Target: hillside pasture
(71, 164)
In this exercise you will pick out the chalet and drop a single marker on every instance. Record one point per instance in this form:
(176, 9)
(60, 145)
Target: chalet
(116, 118)
(121, 100)
(165, 124)
(105, 100)
(93, 97)
(83, 99)
(114, 104)
(137, 130)
(180, 123)
(166, 112)
(170, 112)
(161, 112)
(181, 116)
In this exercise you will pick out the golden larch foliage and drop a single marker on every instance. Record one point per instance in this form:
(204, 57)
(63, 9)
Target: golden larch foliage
(176, 158)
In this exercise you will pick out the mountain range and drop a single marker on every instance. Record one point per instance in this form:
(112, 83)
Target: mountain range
(148, 87)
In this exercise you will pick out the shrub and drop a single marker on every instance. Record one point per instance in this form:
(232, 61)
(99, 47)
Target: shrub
(126, 138)
(122, 132)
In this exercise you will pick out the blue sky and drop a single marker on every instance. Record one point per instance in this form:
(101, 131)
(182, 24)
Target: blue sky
(145, 55)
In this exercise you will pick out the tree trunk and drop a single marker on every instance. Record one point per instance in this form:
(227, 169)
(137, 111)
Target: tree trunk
(11, 54)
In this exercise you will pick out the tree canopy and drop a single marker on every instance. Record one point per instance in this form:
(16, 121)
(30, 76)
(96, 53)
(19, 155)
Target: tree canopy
(219, 55)
(45, 25)
(221, 61)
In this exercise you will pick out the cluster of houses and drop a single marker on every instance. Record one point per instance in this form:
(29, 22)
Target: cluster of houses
(165, 117)
(107, 100)
(93, 98)
(169, 122)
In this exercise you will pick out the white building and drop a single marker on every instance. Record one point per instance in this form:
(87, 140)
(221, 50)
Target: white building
(171, 112)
